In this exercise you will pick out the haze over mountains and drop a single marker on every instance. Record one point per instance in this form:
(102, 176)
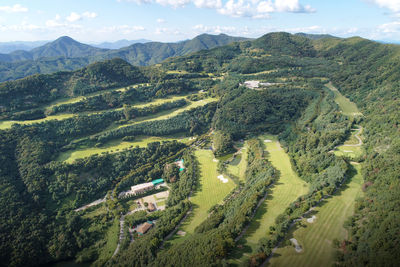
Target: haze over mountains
(65, 54)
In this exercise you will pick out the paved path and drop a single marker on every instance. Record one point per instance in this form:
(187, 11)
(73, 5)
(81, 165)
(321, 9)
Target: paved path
(357, 135)
(94, 203)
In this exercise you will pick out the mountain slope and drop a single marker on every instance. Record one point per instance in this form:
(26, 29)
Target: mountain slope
(65, 47)
(68, 54)
(120, 43)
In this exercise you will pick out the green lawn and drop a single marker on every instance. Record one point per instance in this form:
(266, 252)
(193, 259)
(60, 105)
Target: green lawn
(112, 237)
(168, 114)
(238, 165)
(287, 189)
(7, 124)
(115, 146)
(352, 151)
(316, 238)
(349, 151)
(348, 108)
(211, 191)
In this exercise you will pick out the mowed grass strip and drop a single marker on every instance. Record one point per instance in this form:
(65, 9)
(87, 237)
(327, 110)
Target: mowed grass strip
(238, 165)
(286, 190)
(210, 191)
(348, 108)
(316, 238)
(115, 146)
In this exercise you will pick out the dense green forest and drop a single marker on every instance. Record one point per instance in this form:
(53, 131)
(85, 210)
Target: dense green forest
(39, 195)
(66, 54)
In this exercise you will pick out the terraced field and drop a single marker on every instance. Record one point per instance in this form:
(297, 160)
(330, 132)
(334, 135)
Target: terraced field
(211, 191)
(287, 189)
(316, 239)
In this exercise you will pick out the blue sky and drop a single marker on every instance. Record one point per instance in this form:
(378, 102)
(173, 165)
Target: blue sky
(172, 20)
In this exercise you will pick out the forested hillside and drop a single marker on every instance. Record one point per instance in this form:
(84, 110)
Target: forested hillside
(223, 102)
(66, 54)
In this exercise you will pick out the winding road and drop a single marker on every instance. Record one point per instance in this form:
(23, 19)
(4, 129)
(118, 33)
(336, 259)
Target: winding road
(357, 135)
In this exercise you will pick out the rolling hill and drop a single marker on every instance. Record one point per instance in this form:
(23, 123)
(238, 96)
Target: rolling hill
(65, 54)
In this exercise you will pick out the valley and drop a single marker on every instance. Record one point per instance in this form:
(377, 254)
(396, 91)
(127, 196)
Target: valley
(266, 152)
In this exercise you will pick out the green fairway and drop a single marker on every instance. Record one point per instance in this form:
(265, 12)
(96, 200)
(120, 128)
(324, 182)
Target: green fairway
(238, 165)
(115, 146)
(164, 115)
(211, 191)
(352, 147)
(7, 124)
(316, 238)
(286, 190)
(348, 108)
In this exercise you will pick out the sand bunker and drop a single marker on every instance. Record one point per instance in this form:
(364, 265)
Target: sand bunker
(312, 219)
(222, 178)
(297, 247)
(215, 160)
(181, 233)
(267, 141)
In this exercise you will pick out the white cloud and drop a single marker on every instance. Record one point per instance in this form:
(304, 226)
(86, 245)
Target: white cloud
(123, 29)
(173, 3)
(391, 27)
(261, 9)
(161, 21)
(74, 17)
(393, 5)
(215, 29)
(257, 9)
(17, 8)
(89, 15)
(208, 3)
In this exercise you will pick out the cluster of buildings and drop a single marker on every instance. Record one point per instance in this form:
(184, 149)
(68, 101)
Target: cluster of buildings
(140, 189)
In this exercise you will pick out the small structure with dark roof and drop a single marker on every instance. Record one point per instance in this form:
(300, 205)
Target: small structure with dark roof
(143, 228)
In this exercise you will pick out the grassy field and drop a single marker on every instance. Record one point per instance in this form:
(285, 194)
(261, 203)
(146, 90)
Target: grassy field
(210, 191)
(349, 151)
(7, 124)
(287, 189)
(238, 165)
(348, 108)
(352, 147)
(168, 114)
(316, 238)
(115, 146)
(112, 240)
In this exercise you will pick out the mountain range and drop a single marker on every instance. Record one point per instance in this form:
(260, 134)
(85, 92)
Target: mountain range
(65, 54)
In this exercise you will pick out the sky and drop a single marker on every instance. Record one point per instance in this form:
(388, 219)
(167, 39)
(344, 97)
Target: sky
(94, 21)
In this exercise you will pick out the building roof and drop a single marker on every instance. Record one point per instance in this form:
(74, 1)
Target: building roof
(157, 181)
(151, 207)
(141, 186)
(142, 229)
